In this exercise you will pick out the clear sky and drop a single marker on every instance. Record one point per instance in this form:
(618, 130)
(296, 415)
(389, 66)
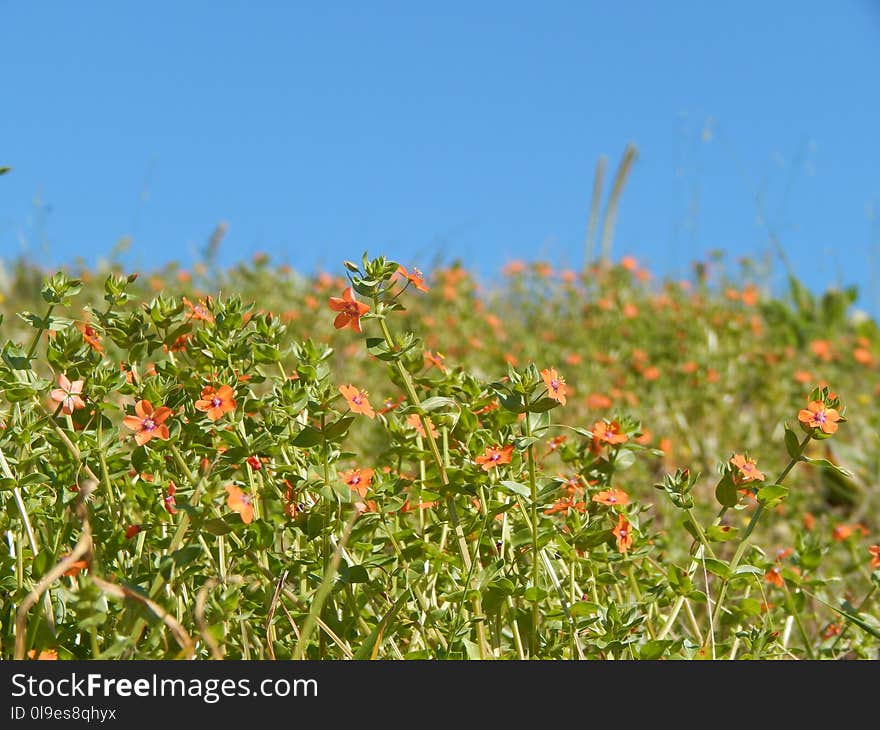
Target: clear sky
(454, 129)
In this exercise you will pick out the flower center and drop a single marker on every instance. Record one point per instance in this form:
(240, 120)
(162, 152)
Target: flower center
(148, 424)
(554, 384)
(357, 400)
(820, 417)
(355, 480)
(216, 402)
(495, 457)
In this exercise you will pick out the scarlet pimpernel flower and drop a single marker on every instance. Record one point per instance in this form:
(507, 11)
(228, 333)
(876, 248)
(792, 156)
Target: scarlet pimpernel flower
(607, 433)
(350, 310)
(747, 471)
(241, 502)
(819, 417)
(358, 480)
(874, 552)
(68, 394)
(216, 402)
(149, 423)
(414, 277)
(555, 383)
(494, 456)
(358, 401)
(623, 534)
(198, 311)
(612, 498)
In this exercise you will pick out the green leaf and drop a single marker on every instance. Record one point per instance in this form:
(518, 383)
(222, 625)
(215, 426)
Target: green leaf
(772, 494)
(828, 465)
(370, 647)
(721, 533)
(748, 570)
(309, 436)
(339, 428)
(654, 649)
(792, 444)
(4, 170)
(545, 404)
(217, 526)
(725, 492)
(186, 555)
(517, 488)
(717, 567)
(534, 594)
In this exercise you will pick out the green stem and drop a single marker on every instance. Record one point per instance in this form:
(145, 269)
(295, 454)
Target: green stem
(743, 541)
(533, 488)
(36, 341)
(444, 479)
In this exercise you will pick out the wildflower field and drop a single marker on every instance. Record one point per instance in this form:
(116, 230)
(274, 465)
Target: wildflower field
(377, 462)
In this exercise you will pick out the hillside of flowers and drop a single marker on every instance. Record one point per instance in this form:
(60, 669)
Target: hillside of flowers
(376, 462)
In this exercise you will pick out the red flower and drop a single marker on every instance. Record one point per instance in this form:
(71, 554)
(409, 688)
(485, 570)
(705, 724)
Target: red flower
(131, 531)
(350, 311)
(774, 576)
(148, 423)
(494, 456)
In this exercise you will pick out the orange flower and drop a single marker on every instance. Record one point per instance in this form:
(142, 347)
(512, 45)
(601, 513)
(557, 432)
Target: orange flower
(168, 501)
(556, 387)
(874, 551)
(612, 497)
(148, 423)
(76, 567)
(416, 278)
(198, 311)
(623, 534)
(774, 576)
(407, 507)
(216, 402)
(46, 655)
(91, 336)
(68, 394)
(435, 359)
(629, 263)
(555, 443)
(494, 456)
(358, 480)
(816, 415)
(607, 433)
(357, 400)
(564, 505)
(350, 311)
(841, 533)
(809, 521)
(748, 472)
(413, 421)
(239, 501)
(131, 531)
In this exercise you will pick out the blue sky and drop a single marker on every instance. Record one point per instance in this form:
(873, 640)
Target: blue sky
(471, 130)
